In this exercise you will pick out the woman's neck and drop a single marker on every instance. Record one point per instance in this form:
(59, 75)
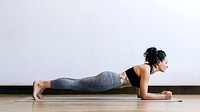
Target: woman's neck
(154, 69)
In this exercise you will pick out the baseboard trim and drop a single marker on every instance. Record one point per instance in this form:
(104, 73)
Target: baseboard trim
(152, 89)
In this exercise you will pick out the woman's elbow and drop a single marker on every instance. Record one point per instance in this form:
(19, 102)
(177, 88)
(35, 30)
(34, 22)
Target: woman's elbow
(144, 97)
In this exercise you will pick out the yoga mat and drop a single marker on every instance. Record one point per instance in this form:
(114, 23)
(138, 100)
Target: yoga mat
(92, 99)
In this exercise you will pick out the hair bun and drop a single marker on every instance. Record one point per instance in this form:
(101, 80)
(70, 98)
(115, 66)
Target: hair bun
(151, 55)
(150, 52)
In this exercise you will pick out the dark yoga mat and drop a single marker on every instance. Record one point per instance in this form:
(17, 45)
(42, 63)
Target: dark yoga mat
(92, 99)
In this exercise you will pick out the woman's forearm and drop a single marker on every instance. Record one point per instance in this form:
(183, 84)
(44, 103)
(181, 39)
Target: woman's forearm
(152, 96)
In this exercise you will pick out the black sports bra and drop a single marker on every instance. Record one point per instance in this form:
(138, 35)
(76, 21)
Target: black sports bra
(133, 77)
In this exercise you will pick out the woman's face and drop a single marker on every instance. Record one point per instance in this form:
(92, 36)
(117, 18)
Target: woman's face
(163, 65)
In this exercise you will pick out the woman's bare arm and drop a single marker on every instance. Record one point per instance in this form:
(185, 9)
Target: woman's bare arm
(138, 92)
(145, 76)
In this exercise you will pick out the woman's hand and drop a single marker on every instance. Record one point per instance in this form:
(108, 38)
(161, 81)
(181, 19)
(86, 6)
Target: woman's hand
(167, 94)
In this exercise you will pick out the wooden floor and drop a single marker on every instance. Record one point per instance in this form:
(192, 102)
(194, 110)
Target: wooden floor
(191, 103)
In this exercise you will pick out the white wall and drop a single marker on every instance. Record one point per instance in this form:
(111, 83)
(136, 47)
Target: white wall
(48, 39)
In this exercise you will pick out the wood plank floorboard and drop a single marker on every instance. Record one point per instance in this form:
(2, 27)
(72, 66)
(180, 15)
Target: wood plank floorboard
(190, 103)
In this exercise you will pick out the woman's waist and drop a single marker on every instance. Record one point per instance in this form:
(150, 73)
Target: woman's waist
(124, 81)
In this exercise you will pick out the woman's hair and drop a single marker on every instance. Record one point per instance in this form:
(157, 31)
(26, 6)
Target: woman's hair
(153, 56)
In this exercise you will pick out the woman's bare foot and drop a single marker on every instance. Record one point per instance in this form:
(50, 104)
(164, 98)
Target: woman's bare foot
(37, 90)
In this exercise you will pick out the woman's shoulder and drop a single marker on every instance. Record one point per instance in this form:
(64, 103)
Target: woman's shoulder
(142, 68)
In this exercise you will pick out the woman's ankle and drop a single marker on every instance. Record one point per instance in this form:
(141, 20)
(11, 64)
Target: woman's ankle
(44, 84)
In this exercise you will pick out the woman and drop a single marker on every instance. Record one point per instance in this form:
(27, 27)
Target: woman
(137, 76)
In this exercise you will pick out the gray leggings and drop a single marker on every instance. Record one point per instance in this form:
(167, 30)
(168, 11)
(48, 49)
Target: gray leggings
(102, 82)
